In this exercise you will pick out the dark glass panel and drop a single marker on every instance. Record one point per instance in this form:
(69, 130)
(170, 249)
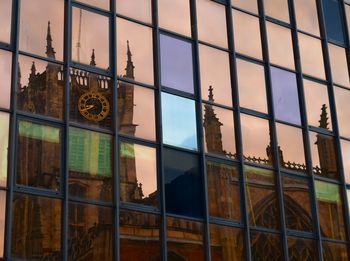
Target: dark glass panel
(104, 4)
(175, 16)
(302, 249)
(219, 133)
(285, 95)
(330, 210)
(2, 221)
(90, 38)
(342, 98)
(227, 243)
(5, 20)
(247, 34)
(333, 20)
(40, 87)
(36, 228)
(5, 72)
(135, 51)
(324, 156)
(183, 183)
(345, 147)
(290, 148)
(136, 111)
(211, 22)
(38, 155)
(262, 199)
(339, 65)
(317, 105)
(277, 9)
(137, 9)
(223, 190)
(311, 56)
(139, 236)
(297, 204)
(265, 246)
(335, 251)
(215, 75)
(185, 240)
(280, 45)
(251, 85)
(256, 140)
(347, 10)
(90, 234)
(138, 174)
(306, 16)
(90, 98)
(179, 121)
(249, 5)
(90, 165)
(4, 146)
(176, 64)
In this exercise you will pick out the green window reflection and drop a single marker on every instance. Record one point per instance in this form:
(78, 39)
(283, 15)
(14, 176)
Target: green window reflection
(4, 145)
(5, 72)
(5, 20)
(2, 221)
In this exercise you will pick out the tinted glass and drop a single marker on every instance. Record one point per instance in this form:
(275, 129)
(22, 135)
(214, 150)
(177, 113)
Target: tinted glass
(347, 10)
(137, 9)
(136, 111)
(306, 16)
(179, 121)
(251, 86)
(4, 146)
(43, 216)
(247, 34)
(2, 221)
(176, 64)
(334, 251)
(90, 38)
(333, 20)
(38, 155)
(40, 87)
(104, 4)
(345, 147)
(249, 5)
(5, 72)
(302, 249)
(135, 51)
(219, 134)
(342, 98)
(339, 65)
(285, 95)
(138, 174)
(36, 26)
(277, 9)
(90, 165)
(223, 190)
(215, 73)
(183, 183)
(5, 20)
(268, 246)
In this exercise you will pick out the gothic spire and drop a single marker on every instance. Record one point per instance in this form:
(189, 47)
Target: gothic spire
(129, 65)
(50, 52)
(19, 85)
(323, 117)
(92, 61)
(32, 71)
(211, 96)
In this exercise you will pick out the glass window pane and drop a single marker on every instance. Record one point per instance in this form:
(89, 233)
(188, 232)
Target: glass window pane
(291, 147)
(219, 133)
(297, 204)
(138, 174)
(227, 243)
(324, 156)
(251, 85)
(215, 73)
(137, 9)
(185, 240)
(311, 56)
(335, 251)
(40, 20)
(223, 190)
(2, 221)
(317, 105)
(277, 9)
(183, 183)
(280, 45)
(342, 98)
(90, 99)
(347, 10)
(5, 72)
(40, 87)
(90, 38)
(302, 249)
(135, 51)
(90, 165)
(139, 236)
(247, 34)
(4, 147)
(90, 231)
(136, 111)
(306, 16)
(285, 95)
(339, 66)
(249, 5)
(5, 20)
(211, 19)
(104, 4)
(175, 16)
(36, 228)
(333, 20)
(176, 64)
(330, 209)
(38, 155)
(256, 140)
(268, 246)
(179, 121)
(345, 147)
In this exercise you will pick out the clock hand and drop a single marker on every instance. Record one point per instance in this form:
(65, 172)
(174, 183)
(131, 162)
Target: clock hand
(88, 107)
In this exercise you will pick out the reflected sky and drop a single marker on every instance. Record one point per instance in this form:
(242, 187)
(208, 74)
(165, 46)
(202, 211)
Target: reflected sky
(5, 83)
(179, 121)
(137, 9)
(277, 9)
(345, 148)
(104, 4)
(306, 16)
(4, 133)
(249, 5)
(2, 221)
(339, 66)
(342, 98)
(5, 20)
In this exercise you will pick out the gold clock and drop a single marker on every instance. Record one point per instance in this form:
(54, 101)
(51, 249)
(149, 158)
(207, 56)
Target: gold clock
(93, 106)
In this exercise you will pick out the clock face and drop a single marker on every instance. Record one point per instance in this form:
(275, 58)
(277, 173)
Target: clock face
(93, 106)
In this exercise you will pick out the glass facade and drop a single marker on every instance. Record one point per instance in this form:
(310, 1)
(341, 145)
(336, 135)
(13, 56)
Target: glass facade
(179, 130)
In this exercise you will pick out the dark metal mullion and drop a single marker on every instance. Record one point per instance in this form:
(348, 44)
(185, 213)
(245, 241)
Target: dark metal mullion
(273, 131)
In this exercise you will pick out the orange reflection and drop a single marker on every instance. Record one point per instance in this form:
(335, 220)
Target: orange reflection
(5, 83)
(302, 249)
(339, 66)
(335, 251)
(347, 10)
(4, 138)
(2, 221)
(104, 4)
(5, 20)
(277, 9)
(306, 16)
(250, 5)
(342, 98)
(345, 148)
(137, 9)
